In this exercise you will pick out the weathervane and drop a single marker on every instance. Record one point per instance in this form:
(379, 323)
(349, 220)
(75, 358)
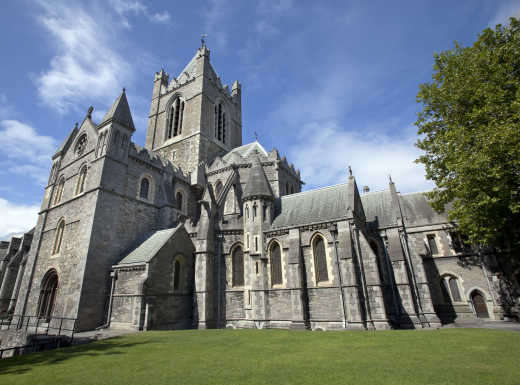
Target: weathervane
(349, 171)
(256, 136)
(203, 36)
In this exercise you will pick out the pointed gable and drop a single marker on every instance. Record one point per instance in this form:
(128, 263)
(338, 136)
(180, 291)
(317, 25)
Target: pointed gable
(257, 184)
(119, 112)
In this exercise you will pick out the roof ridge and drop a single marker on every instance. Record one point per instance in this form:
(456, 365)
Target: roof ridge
(316, 189)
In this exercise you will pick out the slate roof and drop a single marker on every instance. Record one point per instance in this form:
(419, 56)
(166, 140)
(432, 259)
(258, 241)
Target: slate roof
(417, 210)
(378, 208)
(120, 112)
(65, 143)
(151, 246)
(312, 206)
(257, 183)
(246, 150)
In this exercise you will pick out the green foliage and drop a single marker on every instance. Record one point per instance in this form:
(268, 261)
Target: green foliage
(469, 128)
(454, 356)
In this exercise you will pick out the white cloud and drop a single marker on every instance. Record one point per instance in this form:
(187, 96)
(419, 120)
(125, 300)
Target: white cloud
(214, 16)
(504, 12)
(26, 152)
(124, 7)
(86, 65)
(324, 151)
(16, 219)
(5, 108)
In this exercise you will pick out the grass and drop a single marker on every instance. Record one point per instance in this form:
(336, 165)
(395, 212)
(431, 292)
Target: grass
(455, 356)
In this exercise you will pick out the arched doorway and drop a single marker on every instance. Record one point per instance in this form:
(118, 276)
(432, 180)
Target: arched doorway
(47, 298)
(479, 304)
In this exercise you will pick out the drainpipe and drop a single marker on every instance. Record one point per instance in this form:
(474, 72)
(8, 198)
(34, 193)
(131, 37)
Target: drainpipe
(220, 238)
(334, 231)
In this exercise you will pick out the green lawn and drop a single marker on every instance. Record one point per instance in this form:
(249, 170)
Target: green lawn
(454, 356)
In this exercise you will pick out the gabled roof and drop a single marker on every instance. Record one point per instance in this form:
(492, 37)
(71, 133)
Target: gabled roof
(257, 184)
(65, 144)
(245, 151)
(378, 208)
(119, 112)
(321, 205)
(150, 247)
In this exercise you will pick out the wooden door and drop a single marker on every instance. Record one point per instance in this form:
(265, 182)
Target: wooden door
(479, 304)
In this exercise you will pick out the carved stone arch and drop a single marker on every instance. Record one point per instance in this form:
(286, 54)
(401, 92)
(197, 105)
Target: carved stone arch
(451, 287)
(58, 190)
(181, 204)
(80, 143)
(179, 273)
(58, 236)
(48, 293)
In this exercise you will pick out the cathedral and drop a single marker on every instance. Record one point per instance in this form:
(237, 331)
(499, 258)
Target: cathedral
(198, 230)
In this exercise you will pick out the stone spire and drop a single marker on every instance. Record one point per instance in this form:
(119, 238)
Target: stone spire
(120, 113)
(257, 184)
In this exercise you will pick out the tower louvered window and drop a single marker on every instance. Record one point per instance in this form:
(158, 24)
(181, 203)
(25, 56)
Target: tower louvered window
(220, 123)
(175, 119)
(320, 260)
(238, 266)
(59, 237)
(276, 265)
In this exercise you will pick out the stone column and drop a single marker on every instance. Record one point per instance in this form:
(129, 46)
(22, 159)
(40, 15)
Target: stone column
(295, 281)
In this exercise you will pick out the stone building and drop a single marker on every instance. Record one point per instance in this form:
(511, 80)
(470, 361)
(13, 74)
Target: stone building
(198, 230)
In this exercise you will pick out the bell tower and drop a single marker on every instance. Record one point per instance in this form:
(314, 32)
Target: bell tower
(193, 117)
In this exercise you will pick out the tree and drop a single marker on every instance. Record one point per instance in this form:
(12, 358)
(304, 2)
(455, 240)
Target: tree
(469, 128)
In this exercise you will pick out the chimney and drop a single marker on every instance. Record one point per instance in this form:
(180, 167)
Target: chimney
(366, 189)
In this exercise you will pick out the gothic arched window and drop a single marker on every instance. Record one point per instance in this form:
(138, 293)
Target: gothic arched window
(254, 211)
(265, 213)
(145, 187)
(59, 190)
(48, 289)
(82, 176)
(178, 198)
(237, 262)
(320, 260)
(454, 289)
(59, 237)
(175, 117)
(276, 264)
(247, 211)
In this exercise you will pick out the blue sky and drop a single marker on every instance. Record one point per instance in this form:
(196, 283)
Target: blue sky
(330, 84)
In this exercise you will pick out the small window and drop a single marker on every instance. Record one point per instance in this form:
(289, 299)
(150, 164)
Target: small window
(432, 244)
(247, 241)
(457, 242)
(145, 187)
(256, 243)
(178, 198)
(265, 212)
(247, 213)
(81, 145)
(81, 180)
(58, 237)
(218, 189)
(276, 264)
(59, 191)
(320, 260)
(254, 211)
(238, 266)
(176, 275)
(454, 289)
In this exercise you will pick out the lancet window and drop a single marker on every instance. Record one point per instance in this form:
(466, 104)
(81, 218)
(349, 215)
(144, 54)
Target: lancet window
(175, 118)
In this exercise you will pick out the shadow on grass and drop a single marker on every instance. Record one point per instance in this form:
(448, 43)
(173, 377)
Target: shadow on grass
(24, 363)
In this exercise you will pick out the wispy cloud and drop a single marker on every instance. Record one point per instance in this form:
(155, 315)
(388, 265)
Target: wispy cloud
(25, 151)
(86, 66)
(504, 12)
(324, 151)
(5, 108)
(136, 7)
(214, 16)
(16, 219)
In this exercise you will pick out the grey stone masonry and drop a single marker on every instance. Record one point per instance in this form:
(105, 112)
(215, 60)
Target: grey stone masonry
(197, 230)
